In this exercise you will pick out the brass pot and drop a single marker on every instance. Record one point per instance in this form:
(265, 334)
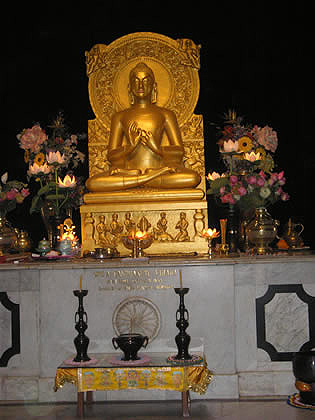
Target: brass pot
(261, 231)
(7, 235)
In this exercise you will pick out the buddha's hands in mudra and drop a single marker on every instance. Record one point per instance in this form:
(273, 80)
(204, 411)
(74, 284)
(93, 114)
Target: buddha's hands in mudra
(139, 136)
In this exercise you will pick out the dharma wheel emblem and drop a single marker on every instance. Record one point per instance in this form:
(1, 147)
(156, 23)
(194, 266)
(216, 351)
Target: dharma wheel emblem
(137, 315)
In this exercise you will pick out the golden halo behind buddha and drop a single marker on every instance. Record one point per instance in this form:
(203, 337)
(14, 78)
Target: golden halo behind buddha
(174, 64)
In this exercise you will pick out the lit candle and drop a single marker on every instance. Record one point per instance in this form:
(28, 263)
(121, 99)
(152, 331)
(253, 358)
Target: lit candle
(80, 282)
(180, 279)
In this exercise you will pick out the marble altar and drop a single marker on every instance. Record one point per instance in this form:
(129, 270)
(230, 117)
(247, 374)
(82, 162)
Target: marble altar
(234, 305)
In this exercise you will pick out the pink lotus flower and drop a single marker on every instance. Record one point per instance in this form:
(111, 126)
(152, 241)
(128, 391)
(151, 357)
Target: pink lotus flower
(214, 175)
(32, 138)
(230, 146)
(67, 182)
(252, 156)
(55, 157)
(285, 196)
(36, 169)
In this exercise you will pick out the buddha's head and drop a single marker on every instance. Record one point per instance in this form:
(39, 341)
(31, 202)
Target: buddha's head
(142, 85)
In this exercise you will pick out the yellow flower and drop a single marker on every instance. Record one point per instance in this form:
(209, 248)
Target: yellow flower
(262, 152)
(39, 159)
(26, 156)
(245, 144)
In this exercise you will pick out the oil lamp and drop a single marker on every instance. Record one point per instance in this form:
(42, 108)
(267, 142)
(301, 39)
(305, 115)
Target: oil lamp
(210, 234)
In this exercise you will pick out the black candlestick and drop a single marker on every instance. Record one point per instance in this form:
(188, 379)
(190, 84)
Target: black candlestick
(182, 339)
(81, 341)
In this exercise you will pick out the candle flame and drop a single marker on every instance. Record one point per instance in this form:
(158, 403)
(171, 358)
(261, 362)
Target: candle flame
(140, 235)
(210, 233)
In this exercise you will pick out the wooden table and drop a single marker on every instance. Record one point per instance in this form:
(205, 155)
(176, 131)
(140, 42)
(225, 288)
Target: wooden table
(106, 372)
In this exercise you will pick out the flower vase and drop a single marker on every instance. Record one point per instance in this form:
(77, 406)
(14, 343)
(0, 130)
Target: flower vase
(52, 221)
(233, 230)
(261, 231)
(7, 235)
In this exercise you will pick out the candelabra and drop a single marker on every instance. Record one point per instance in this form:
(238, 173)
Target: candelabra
(81, 341)
(182, 339)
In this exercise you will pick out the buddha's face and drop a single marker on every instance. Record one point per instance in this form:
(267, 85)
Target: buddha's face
(141, 84)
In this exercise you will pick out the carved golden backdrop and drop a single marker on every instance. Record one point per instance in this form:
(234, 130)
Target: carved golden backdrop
(175, 64)
(175, 217)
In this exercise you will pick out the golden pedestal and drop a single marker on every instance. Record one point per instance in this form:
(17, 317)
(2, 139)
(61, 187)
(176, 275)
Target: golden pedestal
(176, 226)
(174, 217)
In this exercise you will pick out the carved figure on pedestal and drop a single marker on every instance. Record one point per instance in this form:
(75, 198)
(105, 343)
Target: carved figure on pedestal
(105, 237)
(116, 227)
(135, 148)
(160, 232)
(144, 224)
(182, 225)
(130, 225)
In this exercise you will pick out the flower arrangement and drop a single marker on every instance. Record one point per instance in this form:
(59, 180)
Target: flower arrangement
(11, 194)
(51, 159)
(247, 152)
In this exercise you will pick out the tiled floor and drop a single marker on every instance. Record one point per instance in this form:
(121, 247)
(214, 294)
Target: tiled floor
(170, 410)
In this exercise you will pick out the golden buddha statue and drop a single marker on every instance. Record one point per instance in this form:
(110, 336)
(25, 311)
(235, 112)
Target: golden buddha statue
(135, 152)
(146, 147)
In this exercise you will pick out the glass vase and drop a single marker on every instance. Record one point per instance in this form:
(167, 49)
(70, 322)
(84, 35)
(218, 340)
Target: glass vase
(7, 235)
(261, 231)
(52, 220)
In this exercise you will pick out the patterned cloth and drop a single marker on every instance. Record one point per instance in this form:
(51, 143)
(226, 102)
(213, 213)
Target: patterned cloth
(176, 378)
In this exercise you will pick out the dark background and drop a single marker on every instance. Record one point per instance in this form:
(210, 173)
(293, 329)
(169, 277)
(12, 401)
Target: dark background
(254, 58)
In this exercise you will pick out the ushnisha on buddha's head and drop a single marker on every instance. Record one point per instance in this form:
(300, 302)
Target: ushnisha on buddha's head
(142, 85)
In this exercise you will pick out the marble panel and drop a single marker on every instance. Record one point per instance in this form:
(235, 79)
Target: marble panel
(21, 388)
(57, 309)
(286, 320)
(9, 280)
(221, 386)
(29, 330)
(29, 280)
(245, 327)
(5, 329)
(15, 361)
(266, 383)
(289, 273)
(249, 274)
(46, 391)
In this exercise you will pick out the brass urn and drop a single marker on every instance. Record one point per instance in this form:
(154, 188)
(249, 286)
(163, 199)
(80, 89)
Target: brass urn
(261, 231)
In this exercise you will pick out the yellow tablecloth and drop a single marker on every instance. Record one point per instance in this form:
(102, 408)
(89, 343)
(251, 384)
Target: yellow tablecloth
(176, 378)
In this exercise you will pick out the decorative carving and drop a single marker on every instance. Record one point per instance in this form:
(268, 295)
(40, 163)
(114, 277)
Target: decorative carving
(116, 228)
(105, 237)
(182, 225)
(160, 232)
(192, 52)
(144, 224)
(130, 225)
(199, 223)
(89, 231)
(137, 315)
(108, 68)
